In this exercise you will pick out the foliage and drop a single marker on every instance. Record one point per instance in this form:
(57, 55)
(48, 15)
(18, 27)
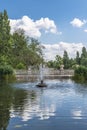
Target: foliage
(50, 64)
(20, 66)
(69, 63)
(77, 58)
(6, 70)
(17, 48)
(84, 53)
(66, 60)
(4, 35)
(81, 73)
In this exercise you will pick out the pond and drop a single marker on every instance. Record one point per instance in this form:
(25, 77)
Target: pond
(62, 105)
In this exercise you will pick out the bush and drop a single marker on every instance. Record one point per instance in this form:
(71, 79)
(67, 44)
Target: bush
(20, 66)
(6, 70)
(81, 70)
(81, 73)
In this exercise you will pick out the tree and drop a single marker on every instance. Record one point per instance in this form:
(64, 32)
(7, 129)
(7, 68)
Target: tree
(25, 50)
(77, 58)
(35, 52)
(50, 64)
(84, 53)
(84, 62)
(19, 47)
(66, 60)
(4, 34)
(84, 57)
(59, 61)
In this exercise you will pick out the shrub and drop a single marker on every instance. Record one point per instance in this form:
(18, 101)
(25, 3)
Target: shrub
(6, 70)
(81, 73)
(81, 70)
(20, 66)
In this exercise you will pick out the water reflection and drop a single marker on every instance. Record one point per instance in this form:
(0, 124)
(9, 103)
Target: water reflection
(32, 104)
(5, 105)
(25, 102)
(59, 98)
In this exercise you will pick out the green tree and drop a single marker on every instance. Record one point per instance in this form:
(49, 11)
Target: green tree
(81, 73)
(66, 60)
(19, 46)
(25, 50)
(77, 58)
(50, 64)
(35, 52)
(84, 53)
(84, 62)
(4, 35)
(59, 61)
(84, 57)
(72, 63)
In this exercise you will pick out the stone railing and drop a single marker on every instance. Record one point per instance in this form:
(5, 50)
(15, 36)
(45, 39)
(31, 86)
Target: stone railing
(45, 72)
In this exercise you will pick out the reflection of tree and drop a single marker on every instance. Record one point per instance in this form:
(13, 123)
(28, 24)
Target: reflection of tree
(23, 103)
(33, 104)
(5, 104)
(19, 99)
(9, 96)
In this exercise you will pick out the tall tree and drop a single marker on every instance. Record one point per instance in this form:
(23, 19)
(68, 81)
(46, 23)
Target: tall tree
(19, 45)
(4, 35)
(59, 61)
(66, 60)
(77, 58)
(25, 50)
(84, 57)
(35, 49)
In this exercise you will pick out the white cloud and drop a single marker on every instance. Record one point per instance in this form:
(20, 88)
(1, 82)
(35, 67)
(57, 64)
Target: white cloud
(33, 28)
(85, 30)
(51, 50)
(78, 23)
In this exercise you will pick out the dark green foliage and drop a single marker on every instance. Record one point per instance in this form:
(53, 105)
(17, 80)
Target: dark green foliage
(77, 58)
(81, 70)
(84, 62)
(50, 64)
(20, 66)
(66, 60)
(84, 53)
(81, 73)
(4, 34)
(6, 70)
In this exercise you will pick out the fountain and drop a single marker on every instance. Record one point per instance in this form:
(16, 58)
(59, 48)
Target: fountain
(41, 84)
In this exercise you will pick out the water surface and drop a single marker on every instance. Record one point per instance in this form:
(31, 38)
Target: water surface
(62, 105)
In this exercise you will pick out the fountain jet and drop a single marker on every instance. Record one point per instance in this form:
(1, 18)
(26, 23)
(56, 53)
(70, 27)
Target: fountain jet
(41, 84)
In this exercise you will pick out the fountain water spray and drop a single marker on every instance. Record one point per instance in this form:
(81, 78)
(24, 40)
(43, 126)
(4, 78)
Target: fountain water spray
(41, 84)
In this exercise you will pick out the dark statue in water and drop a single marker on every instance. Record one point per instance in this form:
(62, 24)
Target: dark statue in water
(41, 84)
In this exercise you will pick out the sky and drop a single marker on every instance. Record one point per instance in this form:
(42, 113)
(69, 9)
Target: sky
(58, 24)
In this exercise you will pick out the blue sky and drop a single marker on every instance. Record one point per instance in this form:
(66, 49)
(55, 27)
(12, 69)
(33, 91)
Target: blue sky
(61, 11)
(50, 21)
